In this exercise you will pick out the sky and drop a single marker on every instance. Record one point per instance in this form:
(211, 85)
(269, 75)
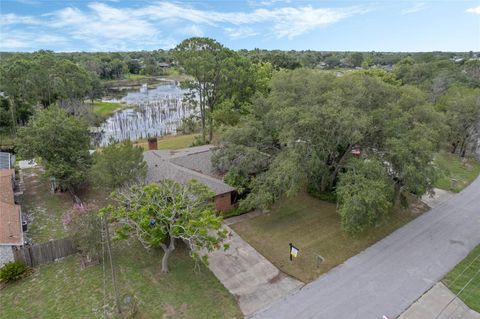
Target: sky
(119, 25)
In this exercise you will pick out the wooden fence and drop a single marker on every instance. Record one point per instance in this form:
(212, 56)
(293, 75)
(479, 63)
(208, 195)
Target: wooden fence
(39, 254)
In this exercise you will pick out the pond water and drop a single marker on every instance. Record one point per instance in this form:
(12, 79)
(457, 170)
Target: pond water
(155, 112)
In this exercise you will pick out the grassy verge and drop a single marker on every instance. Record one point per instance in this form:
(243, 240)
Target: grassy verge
(456, 173)
(62, 290)
(170, 142)
(136, 76)
(314, 227)
(462, 274)
(103, 110)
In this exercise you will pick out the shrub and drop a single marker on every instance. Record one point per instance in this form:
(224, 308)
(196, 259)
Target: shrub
(85, 228)
(330, 197)
(198, 141)
(12, 271)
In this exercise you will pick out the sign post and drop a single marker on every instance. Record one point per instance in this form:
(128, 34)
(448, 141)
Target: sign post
(293, 251)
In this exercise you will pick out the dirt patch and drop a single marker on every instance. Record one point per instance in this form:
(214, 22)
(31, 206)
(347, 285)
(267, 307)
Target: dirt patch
(171, 312)
(277, 278)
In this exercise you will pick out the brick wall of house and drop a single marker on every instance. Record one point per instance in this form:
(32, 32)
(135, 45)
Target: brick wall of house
(6, 255)
(223, 202)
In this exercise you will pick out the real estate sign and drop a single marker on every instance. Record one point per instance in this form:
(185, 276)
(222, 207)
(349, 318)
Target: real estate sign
(293, 251)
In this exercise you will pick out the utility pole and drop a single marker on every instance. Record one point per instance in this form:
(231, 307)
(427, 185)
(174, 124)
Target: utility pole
(114, 279)
(12, 111)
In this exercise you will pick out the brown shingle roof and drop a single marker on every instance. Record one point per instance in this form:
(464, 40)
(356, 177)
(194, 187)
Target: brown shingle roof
(165, 165)
(10, 214)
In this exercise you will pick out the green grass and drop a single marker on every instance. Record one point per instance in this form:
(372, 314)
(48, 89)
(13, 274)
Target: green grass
(105, 109)
(314, 227)
(170, 142)
(7, 140)
(63, 290)
(46, 209)
(462, 170)
(135, 76)
(462, 274)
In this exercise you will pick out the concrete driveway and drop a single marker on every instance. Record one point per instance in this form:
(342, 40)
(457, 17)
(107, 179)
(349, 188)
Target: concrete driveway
(390, 275)
(249, 276)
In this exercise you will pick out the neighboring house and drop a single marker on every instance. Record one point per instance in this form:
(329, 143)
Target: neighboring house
(6, 160)
(11, 233)
(188, 164)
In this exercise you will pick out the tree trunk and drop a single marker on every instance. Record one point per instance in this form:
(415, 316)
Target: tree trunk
(166, 254)
(454, 147)
(323, 184)
(463, 147)
(202, 108)
(339, 165)
(165, 260)
(463, 150)
(210, 135)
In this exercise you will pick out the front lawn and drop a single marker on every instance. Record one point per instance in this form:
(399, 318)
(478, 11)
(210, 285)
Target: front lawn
(313, 226)
(468, 269)
(62, 290)
(456, 173)
(170, 142)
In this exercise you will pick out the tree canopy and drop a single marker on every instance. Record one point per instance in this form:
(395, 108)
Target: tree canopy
(301, 136)
(118, 164)
(159, 214)
(61, 142)
(364, 195)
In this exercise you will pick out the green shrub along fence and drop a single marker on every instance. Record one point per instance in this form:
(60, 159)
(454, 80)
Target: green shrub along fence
(39, 254)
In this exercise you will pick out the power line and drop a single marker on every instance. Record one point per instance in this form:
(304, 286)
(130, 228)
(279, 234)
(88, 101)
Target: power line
(465, 269)
(104, 274)
(114, 280)
(456, 296)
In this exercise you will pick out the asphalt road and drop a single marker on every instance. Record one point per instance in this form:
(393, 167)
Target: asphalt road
(390, 275)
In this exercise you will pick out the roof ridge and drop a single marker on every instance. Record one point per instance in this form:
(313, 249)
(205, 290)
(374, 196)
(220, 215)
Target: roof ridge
(189, 170)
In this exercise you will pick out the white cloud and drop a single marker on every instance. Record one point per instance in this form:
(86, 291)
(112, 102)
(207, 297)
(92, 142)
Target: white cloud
(11, 18)
(266, 3)
(291, 22)
(240, 33)
(18, 40)
(102, 21)
(475, 10)
(287, 21)
(103, 26)
(415, 8)
(192, 30)
(28, 2)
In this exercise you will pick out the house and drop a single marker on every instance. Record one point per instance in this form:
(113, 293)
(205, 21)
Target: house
(6, 160)
(11, 233)
(188, 164)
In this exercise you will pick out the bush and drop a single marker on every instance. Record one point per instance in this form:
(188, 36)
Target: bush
(237, 211)
(12, 271)
(330, 197)
(198, 141)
